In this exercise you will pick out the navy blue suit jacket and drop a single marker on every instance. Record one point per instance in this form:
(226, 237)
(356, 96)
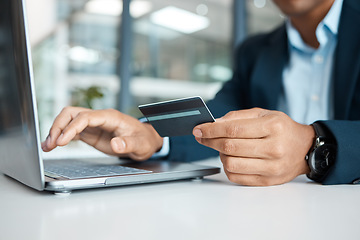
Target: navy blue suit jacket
(257, 82)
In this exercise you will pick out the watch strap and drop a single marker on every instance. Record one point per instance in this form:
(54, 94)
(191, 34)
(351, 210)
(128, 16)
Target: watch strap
(323, 133)
(322, 154)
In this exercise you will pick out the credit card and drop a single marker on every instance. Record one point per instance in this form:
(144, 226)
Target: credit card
(177, 117)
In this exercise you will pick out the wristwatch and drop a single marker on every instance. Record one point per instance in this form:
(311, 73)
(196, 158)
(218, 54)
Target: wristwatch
(322, 154)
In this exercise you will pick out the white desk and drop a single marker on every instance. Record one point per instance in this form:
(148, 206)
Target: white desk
(210, 209)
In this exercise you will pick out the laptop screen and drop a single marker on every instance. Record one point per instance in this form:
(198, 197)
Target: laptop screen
(19, 151)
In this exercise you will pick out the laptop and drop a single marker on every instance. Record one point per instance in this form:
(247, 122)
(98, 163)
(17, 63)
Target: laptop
(20, 151)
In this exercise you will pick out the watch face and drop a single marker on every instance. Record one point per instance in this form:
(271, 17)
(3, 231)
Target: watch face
(322, 158)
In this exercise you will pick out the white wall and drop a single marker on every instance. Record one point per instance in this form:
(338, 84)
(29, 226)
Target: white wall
(41, 19)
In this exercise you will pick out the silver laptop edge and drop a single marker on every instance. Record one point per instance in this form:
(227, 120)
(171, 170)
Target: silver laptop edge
(17, 132)
(33, 95)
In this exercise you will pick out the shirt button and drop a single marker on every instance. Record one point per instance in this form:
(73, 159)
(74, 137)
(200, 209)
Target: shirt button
(315, 98)
(319, 59)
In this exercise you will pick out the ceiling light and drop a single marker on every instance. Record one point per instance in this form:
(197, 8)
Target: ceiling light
(115, 7)
(85, 55)
(140, 8)
(145, 27)
(179, 20)
(105, 7)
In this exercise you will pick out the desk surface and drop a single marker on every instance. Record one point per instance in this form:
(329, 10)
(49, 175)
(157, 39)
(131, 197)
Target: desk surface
(210, 209)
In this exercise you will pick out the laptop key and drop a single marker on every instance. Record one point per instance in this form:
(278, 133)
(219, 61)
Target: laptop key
(75, 169)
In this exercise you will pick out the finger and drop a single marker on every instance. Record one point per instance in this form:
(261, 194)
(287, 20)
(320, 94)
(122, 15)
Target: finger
(74, 127)
(90, 119)
(247, 148)
(118, 146)
(251, 166)
(65, 117)
(238, 128)
(60, 122)
(250, 180)
(135, 147)
(46, 146)
(98, 139)
(244, 114)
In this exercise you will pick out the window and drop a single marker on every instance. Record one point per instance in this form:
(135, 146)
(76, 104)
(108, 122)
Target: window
(180, 48)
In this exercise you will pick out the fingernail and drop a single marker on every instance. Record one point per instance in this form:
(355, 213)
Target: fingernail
(197, 133)
(43, 146)
(120, 144)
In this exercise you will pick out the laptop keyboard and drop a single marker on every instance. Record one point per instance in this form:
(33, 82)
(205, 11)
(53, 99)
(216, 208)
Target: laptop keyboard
(75, 169)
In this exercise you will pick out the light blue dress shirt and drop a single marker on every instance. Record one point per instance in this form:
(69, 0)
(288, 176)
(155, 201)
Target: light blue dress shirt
(307, 79)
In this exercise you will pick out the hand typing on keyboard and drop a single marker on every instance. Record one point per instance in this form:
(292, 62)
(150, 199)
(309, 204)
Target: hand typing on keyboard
(109, 131)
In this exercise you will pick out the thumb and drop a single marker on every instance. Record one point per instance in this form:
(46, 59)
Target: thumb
(118, 145)
(135, 147)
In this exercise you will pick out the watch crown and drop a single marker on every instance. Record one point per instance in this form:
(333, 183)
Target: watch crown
(319, 142)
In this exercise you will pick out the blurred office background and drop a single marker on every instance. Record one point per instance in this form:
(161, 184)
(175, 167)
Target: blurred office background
(115, 54)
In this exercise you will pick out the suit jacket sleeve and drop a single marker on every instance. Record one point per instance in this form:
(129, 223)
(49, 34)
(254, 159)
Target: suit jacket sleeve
(346, 168)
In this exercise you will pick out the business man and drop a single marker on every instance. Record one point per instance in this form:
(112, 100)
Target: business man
(307, 69)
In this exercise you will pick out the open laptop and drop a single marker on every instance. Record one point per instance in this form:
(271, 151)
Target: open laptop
(20, 152)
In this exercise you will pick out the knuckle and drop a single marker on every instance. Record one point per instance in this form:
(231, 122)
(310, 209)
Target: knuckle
(207, 131)
(112, 111)
(53, 129)
(257, 109)
(281, 115)
(230, 114)
(230, 165)
(277, 151)
(84, 114)
(67, 108)
(276, 125)
(232, 178)
(265, 182)
(260, 112)
(231, 130)
(228, 146)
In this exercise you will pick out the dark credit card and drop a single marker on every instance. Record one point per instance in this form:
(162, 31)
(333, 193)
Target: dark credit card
(177, 117)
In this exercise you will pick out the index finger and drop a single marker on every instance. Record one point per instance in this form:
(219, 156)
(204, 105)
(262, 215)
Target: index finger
(238, 128)
(60, 123)
(244, 114)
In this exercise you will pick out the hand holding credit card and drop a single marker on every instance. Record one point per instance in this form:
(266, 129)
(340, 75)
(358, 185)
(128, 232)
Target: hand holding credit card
(177, 117)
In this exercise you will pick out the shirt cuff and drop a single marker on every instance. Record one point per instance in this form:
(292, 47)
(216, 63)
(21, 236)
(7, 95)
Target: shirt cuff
(164, 151)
